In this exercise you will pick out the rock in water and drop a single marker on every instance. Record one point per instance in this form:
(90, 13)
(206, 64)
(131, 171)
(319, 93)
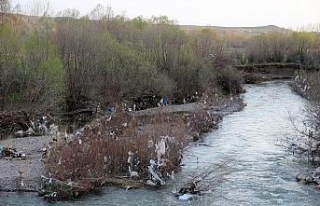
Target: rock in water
(302, 178)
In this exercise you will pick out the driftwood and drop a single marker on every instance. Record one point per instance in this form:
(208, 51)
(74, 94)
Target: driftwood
(146, 101)
(11, 152)
(205, 180)
(251, 67)
(56, 190)
(11, 122)
(19, 190)
(80, 111)
(22, 124)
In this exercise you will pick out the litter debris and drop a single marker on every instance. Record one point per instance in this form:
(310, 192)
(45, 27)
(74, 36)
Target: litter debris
(186, 197)
(133, 162)
(23, 156)
(11, 152)
(130, 158)
(56, 190)
(133, 174)
(160, 149)
(110, 110)
(155, 179)
(21, 176)
(19, 133)
(1, 150)
(30, 131)
(44, 152)
(159, 172)
(54, 129)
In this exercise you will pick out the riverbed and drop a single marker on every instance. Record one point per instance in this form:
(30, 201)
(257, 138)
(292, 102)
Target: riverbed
(261, 171)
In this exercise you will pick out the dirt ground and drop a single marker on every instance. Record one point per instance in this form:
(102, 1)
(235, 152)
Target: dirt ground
(31, 168)
(13, 170)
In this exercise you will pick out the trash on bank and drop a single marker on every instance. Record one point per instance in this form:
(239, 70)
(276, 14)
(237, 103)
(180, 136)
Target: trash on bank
(11, 152)
(1, 149)
(56, 190)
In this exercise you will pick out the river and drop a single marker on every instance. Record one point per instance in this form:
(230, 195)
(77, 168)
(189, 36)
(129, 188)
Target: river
(261, 171)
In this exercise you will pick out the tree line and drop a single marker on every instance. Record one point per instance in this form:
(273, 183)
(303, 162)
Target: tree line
(288, 47)
(72, 62)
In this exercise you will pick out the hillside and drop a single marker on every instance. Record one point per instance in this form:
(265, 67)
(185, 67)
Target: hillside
(241, 30)
(31, 21)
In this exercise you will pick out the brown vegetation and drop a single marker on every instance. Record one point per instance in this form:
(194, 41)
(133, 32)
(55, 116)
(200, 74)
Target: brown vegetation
(102, 150)
(307, 143)
(307, 85)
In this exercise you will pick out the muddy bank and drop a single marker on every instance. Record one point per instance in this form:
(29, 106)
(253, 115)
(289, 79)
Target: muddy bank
(17, 174)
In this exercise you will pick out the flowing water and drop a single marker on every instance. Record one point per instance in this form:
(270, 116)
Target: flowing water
(261, 171)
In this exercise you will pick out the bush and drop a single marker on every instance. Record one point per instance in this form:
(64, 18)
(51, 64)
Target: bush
(229, 81)
(308, 85)
(307, 143)
(102, 149)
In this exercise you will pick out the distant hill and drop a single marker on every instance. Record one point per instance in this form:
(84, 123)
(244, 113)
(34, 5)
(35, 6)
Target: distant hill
(245, 30)
(20, 22)
(30, 22)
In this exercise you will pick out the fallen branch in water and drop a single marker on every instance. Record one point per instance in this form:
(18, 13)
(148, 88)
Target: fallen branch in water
(205, 180)
(56, 190)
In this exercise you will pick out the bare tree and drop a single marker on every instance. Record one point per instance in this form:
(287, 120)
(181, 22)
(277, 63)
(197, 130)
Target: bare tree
(39, 8)
(5, 7)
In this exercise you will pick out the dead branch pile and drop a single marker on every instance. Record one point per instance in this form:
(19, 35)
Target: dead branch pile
(205, 179)
(11, 122)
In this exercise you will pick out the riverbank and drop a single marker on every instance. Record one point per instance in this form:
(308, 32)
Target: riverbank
(262, 172)
(23, 175)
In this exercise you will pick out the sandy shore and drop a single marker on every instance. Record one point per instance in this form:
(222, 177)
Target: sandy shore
(32, 168)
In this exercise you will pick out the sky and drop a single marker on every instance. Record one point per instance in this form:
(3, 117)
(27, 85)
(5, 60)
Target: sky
(230, 13)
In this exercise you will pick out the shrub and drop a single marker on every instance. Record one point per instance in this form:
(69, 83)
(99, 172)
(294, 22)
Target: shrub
(102, 149)
(308, 85)
(307, 143)
(229, 81)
